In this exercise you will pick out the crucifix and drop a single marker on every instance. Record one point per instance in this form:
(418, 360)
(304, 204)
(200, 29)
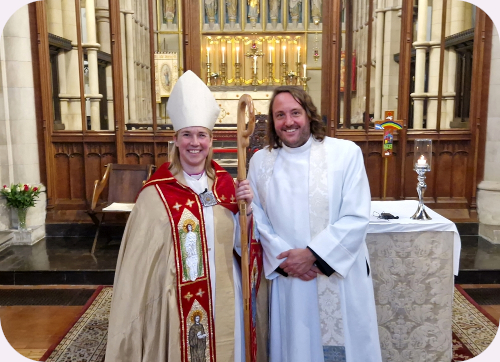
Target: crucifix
(254, 53)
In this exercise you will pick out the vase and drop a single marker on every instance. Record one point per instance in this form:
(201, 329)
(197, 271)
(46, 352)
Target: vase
(21, 217)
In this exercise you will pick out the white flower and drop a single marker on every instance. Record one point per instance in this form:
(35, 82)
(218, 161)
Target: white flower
(7, 189)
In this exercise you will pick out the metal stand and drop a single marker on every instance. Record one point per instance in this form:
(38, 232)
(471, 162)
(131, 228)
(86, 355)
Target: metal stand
(420, 214)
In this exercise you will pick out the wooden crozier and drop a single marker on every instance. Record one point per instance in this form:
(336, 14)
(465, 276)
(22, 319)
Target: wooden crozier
(243, 135)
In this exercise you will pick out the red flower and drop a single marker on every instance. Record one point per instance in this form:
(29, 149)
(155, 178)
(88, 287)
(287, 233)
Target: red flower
(26, 188)
(4, 186)
(35, 188)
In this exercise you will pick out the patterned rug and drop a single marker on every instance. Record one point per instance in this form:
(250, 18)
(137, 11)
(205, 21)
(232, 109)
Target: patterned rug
(86, 339)
(473, 330)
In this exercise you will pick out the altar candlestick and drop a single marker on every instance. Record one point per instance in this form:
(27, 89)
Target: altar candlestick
(223, 51)
(305, 67)
(284, 54)
(208, 54)
(254, 65)
(237, 54)
(270, 54)
(298, 54)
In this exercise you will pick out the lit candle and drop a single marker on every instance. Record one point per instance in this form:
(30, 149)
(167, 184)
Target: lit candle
(284, 54)
(298, 54)
(305, 67)
(270, 54)
(237, 54)
(223, 52)
(208, 54)
(422, 161)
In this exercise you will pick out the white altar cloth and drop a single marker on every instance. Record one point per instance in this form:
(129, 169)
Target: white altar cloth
(405, 209)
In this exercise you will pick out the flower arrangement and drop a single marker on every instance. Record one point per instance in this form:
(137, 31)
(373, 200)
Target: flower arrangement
(20, 196)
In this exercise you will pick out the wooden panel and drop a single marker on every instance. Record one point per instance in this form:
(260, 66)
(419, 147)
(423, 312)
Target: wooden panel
(374, 166)
(139, 153)
(98, 155)
(70, 183)
(459, 177)
(443, 172)
(63, 189)
(161, 154)
(76, 177)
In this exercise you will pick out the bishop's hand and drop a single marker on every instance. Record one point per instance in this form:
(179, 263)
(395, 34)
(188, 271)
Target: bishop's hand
(298, 262)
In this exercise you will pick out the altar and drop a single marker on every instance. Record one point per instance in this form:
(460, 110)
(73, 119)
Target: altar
(413, 263)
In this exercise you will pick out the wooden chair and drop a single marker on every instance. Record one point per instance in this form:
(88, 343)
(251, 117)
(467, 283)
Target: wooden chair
(124, 183)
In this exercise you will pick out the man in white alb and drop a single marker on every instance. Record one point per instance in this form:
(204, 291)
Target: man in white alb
(311, 208)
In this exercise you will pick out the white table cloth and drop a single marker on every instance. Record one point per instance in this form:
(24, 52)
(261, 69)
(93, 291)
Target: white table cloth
(412, 264)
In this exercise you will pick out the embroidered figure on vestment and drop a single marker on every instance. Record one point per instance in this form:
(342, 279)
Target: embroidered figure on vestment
(197, 338)
(192, 261)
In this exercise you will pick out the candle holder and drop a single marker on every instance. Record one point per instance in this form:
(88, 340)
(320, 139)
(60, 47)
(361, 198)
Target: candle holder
(255, 79)
(284, 72)
(237, 73)
(270, 80)
(297, 71)
(223, 77)
(422, 157)
(304, 81)
(209, 75)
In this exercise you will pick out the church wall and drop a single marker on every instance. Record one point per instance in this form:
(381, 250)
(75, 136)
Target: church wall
(489, 189)
(19, 161)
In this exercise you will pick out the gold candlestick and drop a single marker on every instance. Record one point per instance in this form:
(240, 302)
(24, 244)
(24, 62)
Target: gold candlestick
(209, 79)
(304, 82)
(255, 79)
(298, 65)
(237, 75)
(270, 81)
(284, 71)
(223, 77)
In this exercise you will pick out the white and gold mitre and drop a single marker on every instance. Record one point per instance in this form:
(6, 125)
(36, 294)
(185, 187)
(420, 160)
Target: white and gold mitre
(191, 104)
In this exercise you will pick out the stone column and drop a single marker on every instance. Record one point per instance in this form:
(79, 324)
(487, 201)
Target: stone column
(390, 76)
(379, 58)
(104, 39)
(129, 39)
(488, 194)
(456, 26)
(19, 160)
(69, 82)
(92, 48)
(123, 12)
(421, 46)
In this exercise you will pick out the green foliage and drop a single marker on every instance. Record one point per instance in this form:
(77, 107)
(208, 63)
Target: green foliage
(20, 196)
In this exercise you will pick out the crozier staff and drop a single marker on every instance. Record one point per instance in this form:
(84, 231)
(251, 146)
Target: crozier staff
(311, 208)
(177, 289)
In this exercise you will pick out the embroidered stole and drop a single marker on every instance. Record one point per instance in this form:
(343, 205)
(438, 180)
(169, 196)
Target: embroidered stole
(330, 312)
(194, 294)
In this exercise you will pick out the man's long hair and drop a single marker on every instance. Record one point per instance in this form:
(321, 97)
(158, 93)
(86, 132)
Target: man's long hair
(175, 160)
(317, 128)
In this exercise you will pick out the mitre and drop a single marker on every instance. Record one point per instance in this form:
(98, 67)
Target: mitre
(191, 104)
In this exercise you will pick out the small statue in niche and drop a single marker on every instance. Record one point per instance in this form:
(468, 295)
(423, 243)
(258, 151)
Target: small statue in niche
(211, 11)
(232, 8)
(294, 7)
(169, 11)
(316, 6)
(274, 11)
(253, 11)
